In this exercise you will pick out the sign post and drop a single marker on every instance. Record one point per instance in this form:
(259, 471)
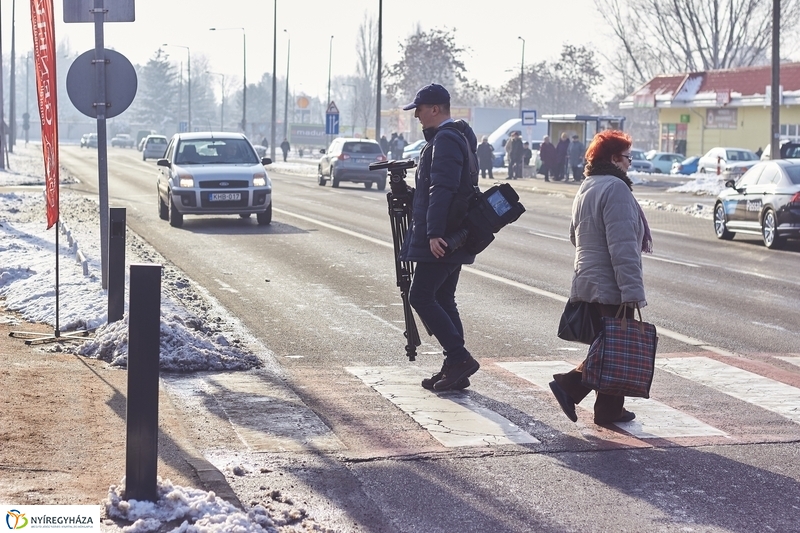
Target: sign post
(331, 121)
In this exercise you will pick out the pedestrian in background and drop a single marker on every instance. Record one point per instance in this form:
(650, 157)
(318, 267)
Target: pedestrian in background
(443, 169)
(576, 152)
(610, 233)
(485, 157)
(562, 148)
(516, 154)
(285, 148)
(384, 142)
(547, 153)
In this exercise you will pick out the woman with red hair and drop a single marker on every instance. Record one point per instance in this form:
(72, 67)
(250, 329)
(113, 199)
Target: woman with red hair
(609, 232)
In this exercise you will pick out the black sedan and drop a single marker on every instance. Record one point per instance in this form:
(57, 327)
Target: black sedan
(764, 201)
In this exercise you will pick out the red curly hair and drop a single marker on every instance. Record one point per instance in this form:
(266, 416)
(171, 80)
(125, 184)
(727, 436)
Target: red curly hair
(606, 144)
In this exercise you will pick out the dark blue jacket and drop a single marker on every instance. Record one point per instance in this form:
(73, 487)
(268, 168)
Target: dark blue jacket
(443, 163)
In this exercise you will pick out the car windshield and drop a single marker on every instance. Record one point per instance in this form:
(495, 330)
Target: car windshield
(638, 154)
(362, 148)
(157, 140)
(740, 155)
(794, 173)
(215, 152)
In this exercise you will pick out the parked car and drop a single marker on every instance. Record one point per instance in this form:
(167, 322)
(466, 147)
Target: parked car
(662, 161)
(89, 140)
(639, 162)
(687, 166)
(154, 146)
(123, 140)
(213, 174)
(413, 150)
(764, 201)
(732, 161)
(348, 159)
(789, 150)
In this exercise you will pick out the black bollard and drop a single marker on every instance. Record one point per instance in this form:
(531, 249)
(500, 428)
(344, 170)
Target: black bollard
(144, 323)
(116, 264)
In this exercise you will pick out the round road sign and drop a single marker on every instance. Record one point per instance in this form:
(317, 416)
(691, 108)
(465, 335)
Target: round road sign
(121, 83)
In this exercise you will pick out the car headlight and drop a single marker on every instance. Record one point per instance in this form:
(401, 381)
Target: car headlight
(259, 180)
(185, 180)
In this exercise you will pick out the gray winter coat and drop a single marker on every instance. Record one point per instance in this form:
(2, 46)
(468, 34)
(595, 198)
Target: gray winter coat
(607, 232)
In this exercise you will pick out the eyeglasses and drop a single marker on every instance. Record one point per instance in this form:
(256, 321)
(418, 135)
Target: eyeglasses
(628, 157)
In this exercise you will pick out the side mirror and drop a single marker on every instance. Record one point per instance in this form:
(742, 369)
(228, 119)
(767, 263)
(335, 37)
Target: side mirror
(322, 150)
(730, 184)
(266, 161)
(163, 163)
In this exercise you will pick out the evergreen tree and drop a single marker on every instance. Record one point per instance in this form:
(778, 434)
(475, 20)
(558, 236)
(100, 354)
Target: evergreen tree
(157, 93)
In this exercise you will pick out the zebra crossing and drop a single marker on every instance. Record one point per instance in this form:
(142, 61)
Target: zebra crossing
(455, 420)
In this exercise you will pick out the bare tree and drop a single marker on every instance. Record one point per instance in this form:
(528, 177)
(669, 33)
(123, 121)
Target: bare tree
(366, 70)
(672, 36)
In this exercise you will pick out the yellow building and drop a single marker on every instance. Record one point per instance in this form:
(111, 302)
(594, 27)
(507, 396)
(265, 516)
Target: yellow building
(700, 110)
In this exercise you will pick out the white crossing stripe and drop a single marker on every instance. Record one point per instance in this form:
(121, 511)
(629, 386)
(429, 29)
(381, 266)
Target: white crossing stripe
(794, 360)
(752, 388)
(654, 420)
(452, 418)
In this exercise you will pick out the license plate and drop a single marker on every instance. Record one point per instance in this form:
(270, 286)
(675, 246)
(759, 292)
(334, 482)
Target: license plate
(224, 196)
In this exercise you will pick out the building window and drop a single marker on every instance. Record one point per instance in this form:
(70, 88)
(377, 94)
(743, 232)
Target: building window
(673, 138)
(790, 131)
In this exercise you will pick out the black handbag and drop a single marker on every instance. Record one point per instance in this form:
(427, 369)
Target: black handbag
(580, 322)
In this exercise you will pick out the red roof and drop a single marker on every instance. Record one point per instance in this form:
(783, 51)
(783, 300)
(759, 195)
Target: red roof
(746, 81)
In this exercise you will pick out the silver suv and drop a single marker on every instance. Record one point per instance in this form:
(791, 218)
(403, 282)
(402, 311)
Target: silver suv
(348, 159)
(206, 173)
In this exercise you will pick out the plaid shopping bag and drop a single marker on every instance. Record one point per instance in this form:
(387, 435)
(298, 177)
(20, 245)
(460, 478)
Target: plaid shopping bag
(621, 359)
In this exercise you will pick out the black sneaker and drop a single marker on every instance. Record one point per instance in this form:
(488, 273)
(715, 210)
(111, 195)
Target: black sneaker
(428, 383)
(566, 403)
(452, 374)
(626, 416)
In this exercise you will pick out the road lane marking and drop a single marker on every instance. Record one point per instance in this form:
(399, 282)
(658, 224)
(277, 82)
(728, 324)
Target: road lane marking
(528, 288)
(663, 260)
(654, 420)
(546, 236)
(667, 232)
(758, 390)
(452, 418)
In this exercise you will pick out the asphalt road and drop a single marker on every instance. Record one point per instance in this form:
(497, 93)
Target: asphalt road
(317, 289)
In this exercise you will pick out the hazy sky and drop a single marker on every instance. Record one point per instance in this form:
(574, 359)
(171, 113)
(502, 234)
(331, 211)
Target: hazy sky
(488, 29)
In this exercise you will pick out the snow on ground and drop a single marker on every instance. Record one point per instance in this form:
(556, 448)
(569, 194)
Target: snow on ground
(196, 334)
(702, 185)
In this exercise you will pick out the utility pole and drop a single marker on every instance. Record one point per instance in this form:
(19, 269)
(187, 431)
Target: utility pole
(380, 66)
(2, 106)
(12, 82)
(775, 141)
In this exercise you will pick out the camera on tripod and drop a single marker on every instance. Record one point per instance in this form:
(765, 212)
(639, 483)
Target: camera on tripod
(397, 170)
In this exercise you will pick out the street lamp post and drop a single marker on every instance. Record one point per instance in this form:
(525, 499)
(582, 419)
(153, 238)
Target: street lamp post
(222, 107)
(244, 74)
(328, 102)
(521, 75)
(330, 56)
(188, 79)
(286, 98)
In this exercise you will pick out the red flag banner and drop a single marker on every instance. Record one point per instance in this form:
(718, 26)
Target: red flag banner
(44, 49)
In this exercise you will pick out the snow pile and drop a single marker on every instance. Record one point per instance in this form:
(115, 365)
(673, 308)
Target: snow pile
(702, 185)
(695, 210)
(199, 512)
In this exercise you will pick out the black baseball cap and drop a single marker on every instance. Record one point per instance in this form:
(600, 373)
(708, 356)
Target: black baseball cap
(429, 95)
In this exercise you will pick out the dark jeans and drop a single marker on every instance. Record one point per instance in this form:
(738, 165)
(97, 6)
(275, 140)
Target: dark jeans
(561, 168)
(577, 173)
(545, 170)
(483, 172)
(606, 406)
(432, 296)
(285, 153)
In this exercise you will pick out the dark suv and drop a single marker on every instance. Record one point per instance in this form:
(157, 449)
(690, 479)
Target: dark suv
(348, 159)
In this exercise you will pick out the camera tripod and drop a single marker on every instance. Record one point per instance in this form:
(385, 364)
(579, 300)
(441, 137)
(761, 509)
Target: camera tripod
(400, 199)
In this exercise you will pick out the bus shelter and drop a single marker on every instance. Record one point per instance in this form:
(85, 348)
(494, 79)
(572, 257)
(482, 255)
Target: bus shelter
(584, 126)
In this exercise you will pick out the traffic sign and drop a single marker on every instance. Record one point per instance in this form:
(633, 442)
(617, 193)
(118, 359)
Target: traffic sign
(528, 117)
(183, 126)
(332, 123)
(332, 109)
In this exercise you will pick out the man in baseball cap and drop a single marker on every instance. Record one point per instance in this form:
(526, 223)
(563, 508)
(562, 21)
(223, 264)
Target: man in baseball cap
(431, 95)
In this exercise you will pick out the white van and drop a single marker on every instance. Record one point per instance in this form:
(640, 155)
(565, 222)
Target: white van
(498, 137)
